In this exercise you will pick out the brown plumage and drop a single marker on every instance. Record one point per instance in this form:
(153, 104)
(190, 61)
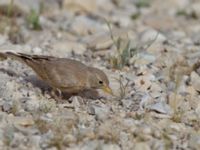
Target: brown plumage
(63, 74)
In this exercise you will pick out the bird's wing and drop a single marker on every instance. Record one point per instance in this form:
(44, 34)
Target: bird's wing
(36, 62)
(65, 73)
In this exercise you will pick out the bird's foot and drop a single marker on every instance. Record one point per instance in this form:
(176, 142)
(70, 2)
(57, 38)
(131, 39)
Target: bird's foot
(57, 95)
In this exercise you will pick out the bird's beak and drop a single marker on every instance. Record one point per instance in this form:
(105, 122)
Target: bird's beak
(107, 89)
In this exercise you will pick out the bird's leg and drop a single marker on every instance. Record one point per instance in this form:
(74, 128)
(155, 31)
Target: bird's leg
(59, 93)
(58, 96)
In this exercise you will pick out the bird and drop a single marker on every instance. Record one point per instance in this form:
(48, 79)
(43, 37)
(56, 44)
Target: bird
(63, 74)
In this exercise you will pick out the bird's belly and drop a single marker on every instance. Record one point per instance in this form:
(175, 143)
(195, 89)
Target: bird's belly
(73, 90)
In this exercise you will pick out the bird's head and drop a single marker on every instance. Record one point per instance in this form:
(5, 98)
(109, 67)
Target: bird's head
(99, 80)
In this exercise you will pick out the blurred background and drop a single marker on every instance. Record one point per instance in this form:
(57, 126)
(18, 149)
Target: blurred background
(148, 48)
(60, 26)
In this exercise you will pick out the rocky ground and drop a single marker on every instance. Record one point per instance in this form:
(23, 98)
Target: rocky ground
(148, 48)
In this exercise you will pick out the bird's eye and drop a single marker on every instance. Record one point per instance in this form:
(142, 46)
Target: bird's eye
(100, 82)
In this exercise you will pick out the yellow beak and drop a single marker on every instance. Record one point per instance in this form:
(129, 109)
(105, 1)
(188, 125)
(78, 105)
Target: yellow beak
(107, 89)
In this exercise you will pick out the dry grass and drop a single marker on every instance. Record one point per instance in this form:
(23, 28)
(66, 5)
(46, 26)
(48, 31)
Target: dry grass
(124, 51)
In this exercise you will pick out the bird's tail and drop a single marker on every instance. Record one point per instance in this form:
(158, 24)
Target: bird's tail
(15, 56)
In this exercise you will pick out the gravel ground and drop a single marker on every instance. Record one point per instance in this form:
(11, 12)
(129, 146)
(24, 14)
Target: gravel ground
(148, 48)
